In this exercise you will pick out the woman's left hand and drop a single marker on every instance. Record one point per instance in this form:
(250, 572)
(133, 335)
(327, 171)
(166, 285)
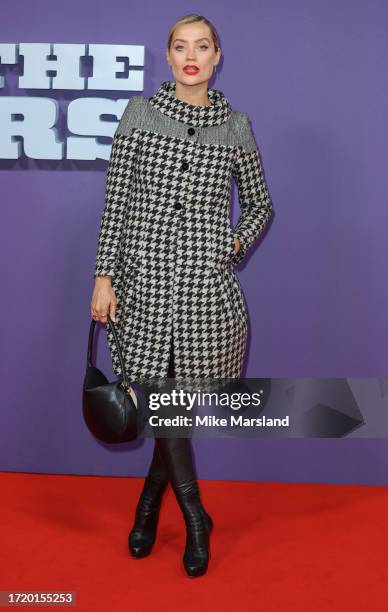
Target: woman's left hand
(237, 245)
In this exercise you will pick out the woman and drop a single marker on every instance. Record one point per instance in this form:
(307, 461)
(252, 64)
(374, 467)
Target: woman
(166, 251)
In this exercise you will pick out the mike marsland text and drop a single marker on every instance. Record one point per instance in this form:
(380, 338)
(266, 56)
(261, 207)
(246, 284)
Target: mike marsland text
(212, 421)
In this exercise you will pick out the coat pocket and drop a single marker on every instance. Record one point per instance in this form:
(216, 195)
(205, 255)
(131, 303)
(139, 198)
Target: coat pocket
(233, 298)
(229, 246)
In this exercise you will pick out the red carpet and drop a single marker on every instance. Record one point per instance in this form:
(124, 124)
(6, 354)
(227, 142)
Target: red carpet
(281, 547)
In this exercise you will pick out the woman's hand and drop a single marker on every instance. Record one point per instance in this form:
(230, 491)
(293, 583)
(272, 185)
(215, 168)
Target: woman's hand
(237, 245)
(103, 300)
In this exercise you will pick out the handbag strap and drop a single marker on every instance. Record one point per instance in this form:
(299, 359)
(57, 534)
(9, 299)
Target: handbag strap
(90, 347)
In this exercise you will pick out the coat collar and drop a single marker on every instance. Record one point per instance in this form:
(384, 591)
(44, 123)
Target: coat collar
(216, 114)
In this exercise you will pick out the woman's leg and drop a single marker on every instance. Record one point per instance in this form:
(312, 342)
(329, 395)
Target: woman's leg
(157, 470)
(143, 534)
(176, 454)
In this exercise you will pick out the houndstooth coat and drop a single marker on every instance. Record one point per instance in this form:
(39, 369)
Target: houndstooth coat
(166, 239)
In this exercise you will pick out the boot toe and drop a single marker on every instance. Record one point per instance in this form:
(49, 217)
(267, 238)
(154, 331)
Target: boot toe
(140, 545)
(140, 551)
(196, 569)
(195, 565)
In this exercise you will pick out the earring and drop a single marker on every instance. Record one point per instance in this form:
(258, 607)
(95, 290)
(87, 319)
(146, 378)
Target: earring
(215, 69)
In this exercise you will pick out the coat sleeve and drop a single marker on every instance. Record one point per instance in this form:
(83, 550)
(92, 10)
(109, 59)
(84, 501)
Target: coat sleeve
(254, 199)
(117, 186)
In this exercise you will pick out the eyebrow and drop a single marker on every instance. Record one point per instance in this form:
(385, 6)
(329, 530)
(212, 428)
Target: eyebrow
(198, 39)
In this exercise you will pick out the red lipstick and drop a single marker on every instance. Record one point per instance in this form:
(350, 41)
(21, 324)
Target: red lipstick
(190, 69)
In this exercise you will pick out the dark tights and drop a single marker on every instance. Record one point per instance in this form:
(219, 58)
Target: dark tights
(172, 461)
(172, 457)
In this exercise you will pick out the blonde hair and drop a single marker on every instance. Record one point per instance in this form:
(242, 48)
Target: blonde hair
(192, 18)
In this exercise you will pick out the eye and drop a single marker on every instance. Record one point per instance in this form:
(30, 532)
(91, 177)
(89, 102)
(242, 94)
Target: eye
(204, 47)
(178, 47)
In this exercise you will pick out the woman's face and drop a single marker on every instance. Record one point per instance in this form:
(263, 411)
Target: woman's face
(192, 54)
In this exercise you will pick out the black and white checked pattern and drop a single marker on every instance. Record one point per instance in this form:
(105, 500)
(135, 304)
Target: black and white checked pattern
(165, 235)
(217, 113)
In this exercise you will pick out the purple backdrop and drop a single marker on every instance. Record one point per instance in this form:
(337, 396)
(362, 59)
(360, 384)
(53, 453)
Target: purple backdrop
(312, 77)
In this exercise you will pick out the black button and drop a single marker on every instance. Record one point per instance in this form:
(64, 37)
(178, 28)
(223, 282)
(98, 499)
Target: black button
(178, 206)
(185, 165)
(191, 131)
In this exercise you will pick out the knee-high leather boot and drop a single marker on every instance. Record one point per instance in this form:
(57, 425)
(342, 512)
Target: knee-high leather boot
(143, 534)
(177, 456)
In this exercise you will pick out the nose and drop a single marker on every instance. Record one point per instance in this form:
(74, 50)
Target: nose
(190, 56)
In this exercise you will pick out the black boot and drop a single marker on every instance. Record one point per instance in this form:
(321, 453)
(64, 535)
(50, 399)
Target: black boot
(177, 457)
(143, 534)
(197, 553)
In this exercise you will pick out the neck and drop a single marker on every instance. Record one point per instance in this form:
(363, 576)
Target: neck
(192, 94)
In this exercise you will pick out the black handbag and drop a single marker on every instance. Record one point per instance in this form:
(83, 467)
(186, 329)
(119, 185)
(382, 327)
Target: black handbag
(110, 409)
